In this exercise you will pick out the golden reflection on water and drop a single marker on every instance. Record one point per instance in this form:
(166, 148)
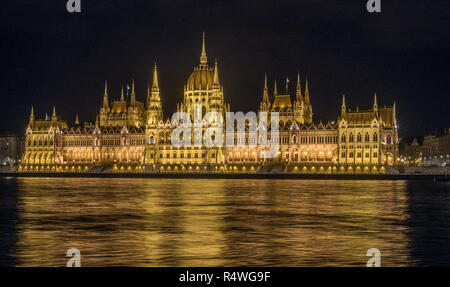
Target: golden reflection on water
(210, 222)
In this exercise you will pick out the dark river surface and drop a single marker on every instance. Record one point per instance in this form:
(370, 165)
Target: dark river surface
(223, 222)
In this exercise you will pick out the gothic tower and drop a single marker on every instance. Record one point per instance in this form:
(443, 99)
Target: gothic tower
(153, 102)
(299, 103)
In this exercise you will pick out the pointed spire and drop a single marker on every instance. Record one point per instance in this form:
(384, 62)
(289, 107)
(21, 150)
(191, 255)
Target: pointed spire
(133, 95)
(375, 104)
(203, 58)
(155, 85)
(299, 89)
(307, 93)
(105, 96)
(54, 118)
(121, 95)
(216, 75)
(77, 122)
(343, 107)
(266, 91)
(275, 92)
(32, 115)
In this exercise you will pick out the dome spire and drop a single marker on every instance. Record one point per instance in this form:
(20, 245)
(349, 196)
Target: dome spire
(203, 58)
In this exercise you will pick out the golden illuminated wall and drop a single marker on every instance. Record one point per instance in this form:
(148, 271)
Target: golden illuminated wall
(368, 137)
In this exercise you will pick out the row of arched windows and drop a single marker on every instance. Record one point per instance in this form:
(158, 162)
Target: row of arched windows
(351, 137)
(40, 142)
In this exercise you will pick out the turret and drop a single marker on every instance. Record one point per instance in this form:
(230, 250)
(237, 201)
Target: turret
(275, 92)
(343, 108)
(216, 82)
(307, 94)
(155, 85)
(31, 122)
(298, 93)
(307, 106)
(105, 97)
(265, 92)
(375, 104)
(77, 122)
(54, 118)
(154, 107)
(121, 95)
(133, 96)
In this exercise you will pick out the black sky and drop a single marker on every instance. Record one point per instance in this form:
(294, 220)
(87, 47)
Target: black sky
(50, 57)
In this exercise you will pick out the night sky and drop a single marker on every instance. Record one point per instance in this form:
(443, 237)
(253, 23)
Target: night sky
(50, 57)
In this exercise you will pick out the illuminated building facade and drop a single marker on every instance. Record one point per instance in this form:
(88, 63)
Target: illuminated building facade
(132, 136)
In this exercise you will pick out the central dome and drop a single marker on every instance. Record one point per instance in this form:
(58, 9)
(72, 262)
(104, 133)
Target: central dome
(201, 79)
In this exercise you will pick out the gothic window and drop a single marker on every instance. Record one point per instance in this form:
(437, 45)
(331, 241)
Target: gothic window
(375, 137)
(389, 139)
(359, 137)
(351, 154)
(366, 137)
(350, 137)
(359, 154)
(375, 154)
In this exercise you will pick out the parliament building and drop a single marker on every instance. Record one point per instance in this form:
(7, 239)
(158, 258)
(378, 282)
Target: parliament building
(135, 136)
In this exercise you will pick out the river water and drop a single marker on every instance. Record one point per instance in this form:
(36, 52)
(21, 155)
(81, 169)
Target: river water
(223, 222)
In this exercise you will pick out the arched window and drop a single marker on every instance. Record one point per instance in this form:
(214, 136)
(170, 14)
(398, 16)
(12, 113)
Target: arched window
(375, 137)
(350, 137)
(358, 137)
(366, 137)
(389, 139)
(294, 139)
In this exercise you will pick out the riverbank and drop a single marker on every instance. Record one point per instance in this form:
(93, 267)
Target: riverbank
(426, 177)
